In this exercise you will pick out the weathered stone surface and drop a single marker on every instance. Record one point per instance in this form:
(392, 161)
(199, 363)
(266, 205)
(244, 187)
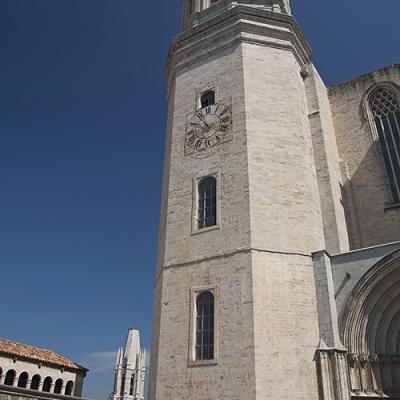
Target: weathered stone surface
(297, 182)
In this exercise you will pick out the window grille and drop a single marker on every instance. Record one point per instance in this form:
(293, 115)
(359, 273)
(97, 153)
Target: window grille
(207, 203)
(205, 326)
(207, 99)
(385, 108)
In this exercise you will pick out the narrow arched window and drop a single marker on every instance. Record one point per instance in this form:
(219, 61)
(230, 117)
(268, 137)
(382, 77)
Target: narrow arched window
(35, 382)
(69, 388)
(47, 384)
(385, 107)
(207, 203)
(58, 386)
(207, 99)
(23, 380)
(10, 377)
(132, 385)
(205, 326)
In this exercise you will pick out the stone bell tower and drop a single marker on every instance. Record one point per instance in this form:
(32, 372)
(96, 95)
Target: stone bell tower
(130, 369)
(235, 312)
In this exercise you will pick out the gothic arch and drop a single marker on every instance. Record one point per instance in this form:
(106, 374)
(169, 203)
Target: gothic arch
(387, 166)
(370, 328)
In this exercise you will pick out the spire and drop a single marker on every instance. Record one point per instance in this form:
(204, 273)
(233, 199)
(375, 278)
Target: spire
(118, 362)
(130, 369)
(132, 347)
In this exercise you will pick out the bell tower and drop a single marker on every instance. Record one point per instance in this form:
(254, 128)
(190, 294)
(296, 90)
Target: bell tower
(193, 9)
(235, 310)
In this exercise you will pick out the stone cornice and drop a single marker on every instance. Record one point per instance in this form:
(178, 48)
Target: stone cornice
(237, 25)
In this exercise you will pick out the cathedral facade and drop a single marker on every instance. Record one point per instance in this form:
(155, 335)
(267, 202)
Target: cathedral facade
(278, 270)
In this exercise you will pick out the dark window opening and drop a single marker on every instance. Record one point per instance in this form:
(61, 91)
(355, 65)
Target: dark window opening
(207, 203)
(69, 388)
(207, 99)
(132, 385)
(10, 377)
(23, 380)
(58, 386)
(47, 384)
(35, 382)
(205, 326)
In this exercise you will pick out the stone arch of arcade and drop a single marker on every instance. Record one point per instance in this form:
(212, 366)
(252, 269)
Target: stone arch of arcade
(370, 330)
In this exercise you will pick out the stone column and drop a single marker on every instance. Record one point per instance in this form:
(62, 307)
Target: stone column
(376, 374)
(327, 312)
(365, 373)
(355, 381)
(324, 376)
(332, 357)
(333, 374)
(342, 372)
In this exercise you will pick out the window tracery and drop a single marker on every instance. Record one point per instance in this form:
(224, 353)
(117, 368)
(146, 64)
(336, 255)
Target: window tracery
(384, 105)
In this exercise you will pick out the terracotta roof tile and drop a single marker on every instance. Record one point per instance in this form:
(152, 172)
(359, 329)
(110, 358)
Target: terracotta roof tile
(34, 353)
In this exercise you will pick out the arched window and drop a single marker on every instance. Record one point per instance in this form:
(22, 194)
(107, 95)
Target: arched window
(23, 380)
(47, 384)
(205, 326)
(69, 388)
(385, 108)
(207, 99)
(10, 377)
(58, 386)
(35, 382)
(132, 385)
(207, 203)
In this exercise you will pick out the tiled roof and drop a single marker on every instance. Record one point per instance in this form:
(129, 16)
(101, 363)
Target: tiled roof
(36, 354)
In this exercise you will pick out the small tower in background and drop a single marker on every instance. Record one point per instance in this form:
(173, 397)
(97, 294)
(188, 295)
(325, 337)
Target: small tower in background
(130, 369)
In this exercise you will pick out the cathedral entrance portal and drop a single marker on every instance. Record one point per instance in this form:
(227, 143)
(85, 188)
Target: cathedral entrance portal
(370, 328)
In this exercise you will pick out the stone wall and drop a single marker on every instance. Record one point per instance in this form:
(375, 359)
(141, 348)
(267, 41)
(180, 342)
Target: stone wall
(370, 216)
(44, 371)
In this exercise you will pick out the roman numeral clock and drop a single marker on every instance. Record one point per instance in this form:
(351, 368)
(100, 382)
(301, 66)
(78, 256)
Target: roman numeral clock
(207, 128)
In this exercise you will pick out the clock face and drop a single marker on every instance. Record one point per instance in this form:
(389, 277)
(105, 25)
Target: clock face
(208, 127)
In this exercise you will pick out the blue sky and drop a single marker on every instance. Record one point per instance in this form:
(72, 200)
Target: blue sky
(82, 121)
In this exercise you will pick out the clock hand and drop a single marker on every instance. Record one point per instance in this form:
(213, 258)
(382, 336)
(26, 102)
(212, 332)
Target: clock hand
(201, 116)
